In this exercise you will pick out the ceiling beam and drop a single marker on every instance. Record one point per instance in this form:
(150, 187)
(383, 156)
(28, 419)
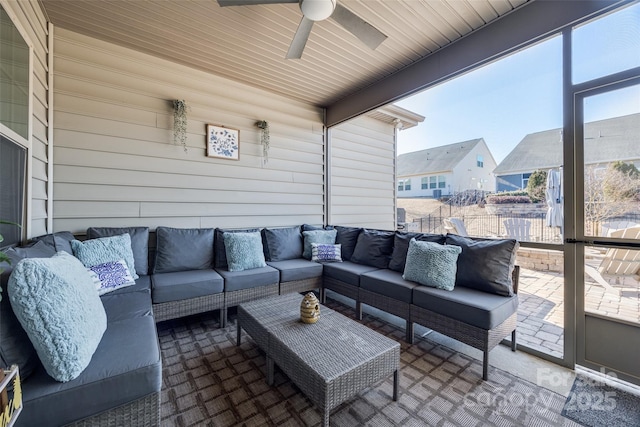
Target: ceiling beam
(533, 21)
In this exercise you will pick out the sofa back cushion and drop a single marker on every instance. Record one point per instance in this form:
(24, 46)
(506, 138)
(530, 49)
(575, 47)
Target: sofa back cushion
(348, 238)
(139, 243)
(59, 241)
(485, 264)
(183, 249)
(219, 251)
(401, 246)
(105, 249)
(373, 248)
(281, 244)
(57, 305)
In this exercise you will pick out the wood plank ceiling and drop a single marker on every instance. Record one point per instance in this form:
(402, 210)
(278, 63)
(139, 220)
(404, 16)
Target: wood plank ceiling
(249, 43)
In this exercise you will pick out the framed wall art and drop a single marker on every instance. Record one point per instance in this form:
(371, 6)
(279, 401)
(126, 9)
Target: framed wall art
(223, 142)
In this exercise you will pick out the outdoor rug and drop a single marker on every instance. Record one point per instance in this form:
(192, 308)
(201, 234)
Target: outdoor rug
(208, 381)
(593, 403)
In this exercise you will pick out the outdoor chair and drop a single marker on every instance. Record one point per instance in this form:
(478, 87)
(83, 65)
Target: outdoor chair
(455, 226)
(610, 227)
(617, 261)
(518, 228)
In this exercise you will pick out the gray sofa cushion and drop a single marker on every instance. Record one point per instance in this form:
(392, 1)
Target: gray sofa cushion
(297, 269)
(182, 285)
(485, 264)
(247, 279)
(389, 283)
(477, 308)
(347, 271)
(401, 246)
(374, 248)
(347, 237)
(220, 252)
(281, 244)
(126, 306)
(183, 249)
(143, 284)
(59, 241)
(139, 243)
(125, 367)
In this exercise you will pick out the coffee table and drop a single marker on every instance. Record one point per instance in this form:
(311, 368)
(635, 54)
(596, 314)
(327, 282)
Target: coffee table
(330, 361)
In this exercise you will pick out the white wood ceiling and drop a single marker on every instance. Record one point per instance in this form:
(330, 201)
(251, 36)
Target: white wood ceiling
(249, 43)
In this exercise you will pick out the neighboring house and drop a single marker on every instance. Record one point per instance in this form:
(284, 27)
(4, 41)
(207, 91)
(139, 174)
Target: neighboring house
(605, 141)
(444, 170)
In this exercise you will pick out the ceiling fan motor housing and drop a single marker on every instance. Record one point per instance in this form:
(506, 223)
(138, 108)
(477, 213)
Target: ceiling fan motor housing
(317, 10)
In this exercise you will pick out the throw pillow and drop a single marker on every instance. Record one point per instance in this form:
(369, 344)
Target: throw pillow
(401, 246)
(317, 236)
(282, 244)
(105, 249)
(110, 276)
(374, 248)
(485, 264)
(244, 251)
(139, 243)
(432, 264)
(59, 241)
(321, 252)
(57, 305)
(348, 238)
(183, 249)
(220, 254)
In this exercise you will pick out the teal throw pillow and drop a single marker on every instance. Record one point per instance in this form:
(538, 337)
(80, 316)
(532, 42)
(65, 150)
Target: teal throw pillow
(105, 249)
(327, 237)
(244, 251)
(57, 305)
(432, 264)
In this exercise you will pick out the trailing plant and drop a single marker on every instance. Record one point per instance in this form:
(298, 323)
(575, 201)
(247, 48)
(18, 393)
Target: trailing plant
(180, 108)
(264, 138)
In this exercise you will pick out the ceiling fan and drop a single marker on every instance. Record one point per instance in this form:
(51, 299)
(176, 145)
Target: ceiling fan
(319, 10)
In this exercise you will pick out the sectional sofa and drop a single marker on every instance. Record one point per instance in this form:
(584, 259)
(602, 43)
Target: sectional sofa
(187, 271)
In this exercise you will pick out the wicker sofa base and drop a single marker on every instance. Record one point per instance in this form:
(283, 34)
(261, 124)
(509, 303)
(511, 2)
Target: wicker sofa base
(187, 307)
(233, 298)
(390, 305)
(144, 412)
(340, 287)
(297, 286)
(479, 338)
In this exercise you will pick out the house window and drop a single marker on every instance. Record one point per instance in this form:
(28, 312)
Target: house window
(480, 161)
(424, 184)
(401, 185)
(407, 184)
(433, 181)
(525, 179)
(442, 181)
(15, 95)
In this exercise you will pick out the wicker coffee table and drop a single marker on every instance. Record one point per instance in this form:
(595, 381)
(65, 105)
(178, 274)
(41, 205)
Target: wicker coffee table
(330, 361)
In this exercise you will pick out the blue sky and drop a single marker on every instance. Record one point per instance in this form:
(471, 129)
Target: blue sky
(520, 94)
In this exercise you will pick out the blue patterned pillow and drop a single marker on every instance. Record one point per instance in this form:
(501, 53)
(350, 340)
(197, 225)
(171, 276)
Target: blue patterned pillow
(110, 276)
(432, 264)
(321, 252)
(57, 305)
(317, 236)
(244, 251)
(105, 249)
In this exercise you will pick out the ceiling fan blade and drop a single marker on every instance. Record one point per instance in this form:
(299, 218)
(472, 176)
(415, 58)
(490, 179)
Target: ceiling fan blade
(300, 39)
(224, 3)
(357, 26)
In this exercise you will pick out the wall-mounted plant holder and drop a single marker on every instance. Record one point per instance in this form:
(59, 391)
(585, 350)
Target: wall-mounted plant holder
(264, 138)
(180, 108)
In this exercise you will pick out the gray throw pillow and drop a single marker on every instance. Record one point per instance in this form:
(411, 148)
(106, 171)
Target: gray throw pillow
(401, 246)
(374, 248)
(59, 241)
(183, 249)
(485, 264)
(139, 243)
(432, 264)
(220, 255)
(244, 251)
(282, 244)
(317, 236)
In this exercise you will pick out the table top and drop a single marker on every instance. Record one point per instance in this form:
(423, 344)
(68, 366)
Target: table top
(332, 346)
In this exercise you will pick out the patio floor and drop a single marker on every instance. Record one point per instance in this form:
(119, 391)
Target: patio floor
(541, 310)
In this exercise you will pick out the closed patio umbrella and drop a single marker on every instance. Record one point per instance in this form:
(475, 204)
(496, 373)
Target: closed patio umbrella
(553, 194)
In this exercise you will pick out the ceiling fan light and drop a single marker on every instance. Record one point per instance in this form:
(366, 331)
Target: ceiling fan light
(317, 10)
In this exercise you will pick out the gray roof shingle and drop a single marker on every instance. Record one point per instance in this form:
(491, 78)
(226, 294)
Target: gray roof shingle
(436, 159)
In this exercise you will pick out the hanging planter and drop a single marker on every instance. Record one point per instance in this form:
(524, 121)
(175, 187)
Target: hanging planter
(180, 123)
(264, 138)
